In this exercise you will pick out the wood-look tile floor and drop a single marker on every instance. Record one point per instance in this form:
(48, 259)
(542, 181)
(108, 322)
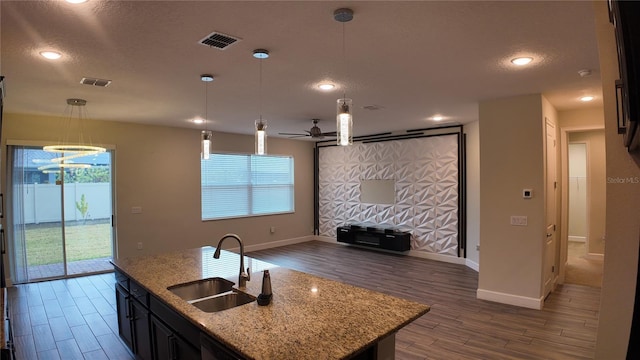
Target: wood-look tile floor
(459, 326)
(67, 319)
(76, 318)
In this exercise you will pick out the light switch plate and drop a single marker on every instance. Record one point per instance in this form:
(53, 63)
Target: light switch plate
(136, 210)
(519, 220)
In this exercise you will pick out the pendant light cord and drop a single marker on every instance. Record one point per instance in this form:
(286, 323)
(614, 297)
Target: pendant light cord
(260, 92)
(344, 59)
(206, 106)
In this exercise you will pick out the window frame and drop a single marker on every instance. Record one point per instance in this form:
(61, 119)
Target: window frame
(250, 185)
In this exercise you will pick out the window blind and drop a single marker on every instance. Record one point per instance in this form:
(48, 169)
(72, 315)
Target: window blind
(238, 185)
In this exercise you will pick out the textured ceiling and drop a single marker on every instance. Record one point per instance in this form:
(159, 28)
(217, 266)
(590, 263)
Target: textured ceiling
(411, 60)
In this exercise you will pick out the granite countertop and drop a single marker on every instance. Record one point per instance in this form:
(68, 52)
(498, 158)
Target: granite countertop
(309, 317)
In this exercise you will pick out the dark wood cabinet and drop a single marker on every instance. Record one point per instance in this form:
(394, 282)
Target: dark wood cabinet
(150, 329)
(213, 350)
(167, 345)
(141, 331)
(123, 307)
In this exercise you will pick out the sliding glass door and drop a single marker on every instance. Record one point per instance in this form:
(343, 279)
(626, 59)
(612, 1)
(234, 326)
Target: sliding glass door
(60, 224)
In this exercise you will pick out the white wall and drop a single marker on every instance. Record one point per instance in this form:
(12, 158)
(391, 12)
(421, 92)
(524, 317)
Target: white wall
(597, 187)
(577, 191)
(158, 169)
(425, 175)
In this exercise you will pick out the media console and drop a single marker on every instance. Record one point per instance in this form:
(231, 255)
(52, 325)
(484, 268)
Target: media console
(388, 239)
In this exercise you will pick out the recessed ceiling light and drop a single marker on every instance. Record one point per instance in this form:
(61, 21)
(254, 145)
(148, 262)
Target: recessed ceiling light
(586, 98)
(326, 86)
(521, 61)
(198, 121)
(51, 55)
(76, 1)
(261, 54)
(437, 118)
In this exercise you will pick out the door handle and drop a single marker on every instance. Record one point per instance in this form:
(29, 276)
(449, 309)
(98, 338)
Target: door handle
(549, 235)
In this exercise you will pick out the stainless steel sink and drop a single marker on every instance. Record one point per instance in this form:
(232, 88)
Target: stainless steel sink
(223, 301)
(201, 288)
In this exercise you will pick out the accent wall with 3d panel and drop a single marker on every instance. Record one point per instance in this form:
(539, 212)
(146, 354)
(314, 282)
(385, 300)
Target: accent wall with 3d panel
(425, 168)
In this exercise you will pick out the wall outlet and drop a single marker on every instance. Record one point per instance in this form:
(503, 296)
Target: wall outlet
(140, 246)
(136, 210)
(519, 220)
(478, 247)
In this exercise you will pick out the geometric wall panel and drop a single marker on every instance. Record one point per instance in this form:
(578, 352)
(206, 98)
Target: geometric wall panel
(425, 171)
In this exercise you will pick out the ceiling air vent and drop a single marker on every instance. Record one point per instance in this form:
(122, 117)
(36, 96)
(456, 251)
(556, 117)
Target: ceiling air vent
(219, 40)
(95, 82)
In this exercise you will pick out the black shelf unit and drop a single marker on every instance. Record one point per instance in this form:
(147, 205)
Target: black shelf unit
(387, 239)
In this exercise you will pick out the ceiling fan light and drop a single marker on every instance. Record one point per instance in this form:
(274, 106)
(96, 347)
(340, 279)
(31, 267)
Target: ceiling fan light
(344, 122)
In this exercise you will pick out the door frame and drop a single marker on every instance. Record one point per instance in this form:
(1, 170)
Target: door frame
(550, 228)
(564, 193)
(5, 189)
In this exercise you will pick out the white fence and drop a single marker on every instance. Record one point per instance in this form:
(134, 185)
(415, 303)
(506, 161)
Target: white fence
(42, 202)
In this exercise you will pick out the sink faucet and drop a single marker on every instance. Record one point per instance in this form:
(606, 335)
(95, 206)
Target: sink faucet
(243, 276)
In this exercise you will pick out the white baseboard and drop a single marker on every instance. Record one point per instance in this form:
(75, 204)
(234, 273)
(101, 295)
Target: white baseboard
(594, 256)
(510, 299)
(277, 243)
(472, 265)
(415, 253)
(328, 239)
(437, 257)
(581, 239)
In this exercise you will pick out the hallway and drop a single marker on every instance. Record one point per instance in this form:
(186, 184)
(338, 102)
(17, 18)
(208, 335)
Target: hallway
(582, 269)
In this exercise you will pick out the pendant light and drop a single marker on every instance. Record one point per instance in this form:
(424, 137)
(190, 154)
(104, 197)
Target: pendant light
(68, 150)
(207, 135)
(261, 124)
(344, 117)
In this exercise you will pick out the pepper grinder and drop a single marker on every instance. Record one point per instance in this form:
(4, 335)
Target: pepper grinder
(265, 296)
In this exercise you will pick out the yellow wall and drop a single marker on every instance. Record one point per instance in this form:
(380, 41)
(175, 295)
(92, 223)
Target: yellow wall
(623, 210)
(158, 168)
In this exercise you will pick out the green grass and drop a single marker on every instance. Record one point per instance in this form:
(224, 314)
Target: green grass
(84, 241)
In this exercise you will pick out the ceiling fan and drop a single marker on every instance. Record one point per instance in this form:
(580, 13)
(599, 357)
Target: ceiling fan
(314, 132)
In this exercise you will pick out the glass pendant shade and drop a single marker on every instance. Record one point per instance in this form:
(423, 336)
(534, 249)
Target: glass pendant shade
(205, 144)
(261, 137)
(344, 122)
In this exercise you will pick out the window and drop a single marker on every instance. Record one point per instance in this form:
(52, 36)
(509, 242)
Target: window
(235, 185)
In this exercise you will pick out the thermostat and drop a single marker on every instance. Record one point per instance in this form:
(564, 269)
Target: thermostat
(527, 193)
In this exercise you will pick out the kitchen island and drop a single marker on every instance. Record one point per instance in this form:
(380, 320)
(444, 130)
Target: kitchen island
(308, 318)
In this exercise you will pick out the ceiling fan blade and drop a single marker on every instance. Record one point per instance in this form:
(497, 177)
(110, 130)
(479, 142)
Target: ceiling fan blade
(330, 133)
(294, 134)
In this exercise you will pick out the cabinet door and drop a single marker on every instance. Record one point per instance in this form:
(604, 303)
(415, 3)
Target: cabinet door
(141, 331)
(169, 346)
(124, 316)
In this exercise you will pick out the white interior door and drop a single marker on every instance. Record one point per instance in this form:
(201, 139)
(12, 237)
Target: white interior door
(550, 241)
